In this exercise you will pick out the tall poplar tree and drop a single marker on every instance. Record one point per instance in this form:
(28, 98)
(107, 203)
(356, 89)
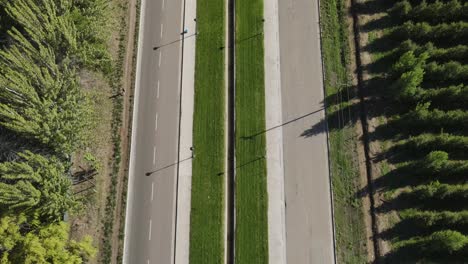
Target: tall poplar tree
(35, 185)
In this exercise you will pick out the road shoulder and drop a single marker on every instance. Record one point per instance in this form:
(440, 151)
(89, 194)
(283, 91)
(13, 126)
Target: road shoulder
(186, 137)
(131, 176)
(274, 137)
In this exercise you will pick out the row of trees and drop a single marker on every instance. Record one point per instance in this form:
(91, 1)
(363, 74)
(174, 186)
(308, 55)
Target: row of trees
(436, 12)
(414, 69)
(45, 45)
(437, 219)
(441, 246)
(440, 54)
(438, 191)
(456, 145)
(422, 32)
(428, 89)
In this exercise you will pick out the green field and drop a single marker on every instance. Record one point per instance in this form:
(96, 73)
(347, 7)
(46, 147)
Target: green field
(251, 181)
(208, 180)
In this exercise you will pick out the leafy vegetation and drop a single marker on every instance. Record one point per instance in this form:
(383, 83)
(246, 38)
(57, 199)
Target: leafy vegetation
(40, 244)
(35, 184)
(44, 45)
(208, 179)
(251, 180)
(419, 81)
(434, 219)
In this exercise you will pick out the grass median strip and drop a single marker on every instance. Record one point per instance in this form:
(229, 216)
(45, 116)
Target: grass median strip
(251, 182)
(208, 180)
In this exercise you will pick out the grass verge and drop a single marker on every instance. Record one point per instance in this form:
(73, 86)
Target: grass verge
(208, 179)
(341, 112)
(115, 81)
(251, 238)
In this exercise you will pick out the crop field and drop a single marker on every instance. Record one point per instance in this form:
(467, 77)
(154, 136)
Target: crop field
(251, 182)
(417, 86)
(208, 180)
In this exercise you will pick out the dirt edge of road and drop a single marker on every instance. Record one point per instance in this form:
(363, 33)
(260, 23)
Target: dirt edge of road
(359, 39)
(128, 77)
(370, 169)
(365, 208)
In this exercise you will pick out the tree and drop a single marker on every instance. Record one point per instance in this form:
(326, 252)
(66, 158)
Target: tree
(424, 143)
(450, 97)
(444, 242)
(35, 185)
(435, 161)
(424, 119)
(48, 243)
(438, 219)
(439, 191)
(72, 28)
(10, 233)
(39, 99)
(438, 244)
(452, 71)
(455, 32)
(436, 12)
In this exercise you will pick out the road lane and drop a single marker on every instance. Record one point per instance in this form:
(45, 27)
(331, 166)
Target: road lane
(151, 204)
(309, 223)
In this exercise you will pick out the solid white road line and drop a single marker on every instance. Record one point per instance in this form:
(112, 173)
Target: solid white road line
(156, 123)
(160, 55)
(149, 233)
(152, 190)
(162, 29)
(154, 155)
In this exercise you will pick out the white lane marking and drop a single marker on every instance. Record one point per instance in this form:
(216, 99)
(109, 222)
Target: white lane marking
(156, 123)
(149, 233)
(148, 261)
(154, 155)
(157, 91)
(163, 4)
(160, 55)
(152, 190)
(162, 29)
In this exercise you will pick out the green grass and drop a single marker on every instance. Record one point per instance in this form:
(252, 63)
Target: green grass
(208, 180)
(251, 182)
(349, 225)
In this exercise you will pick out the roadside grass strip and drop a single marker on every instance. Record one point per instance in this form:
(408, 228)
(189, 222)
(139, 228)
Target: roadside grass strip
(349, 224)
(208, 180)
(251, 237)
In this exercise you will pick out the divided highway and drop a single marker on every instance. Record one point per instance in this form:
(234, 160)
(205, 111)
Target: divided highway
(151, 204)
(152, 200)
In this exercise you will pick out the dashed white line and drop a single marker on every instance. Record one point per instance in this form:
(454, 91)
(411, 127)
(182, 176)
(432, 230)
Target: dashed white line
(154, 155)
(163, 4)
(157, 91)
(160, 55)
(156, 123)
(162, 29)
(149, 233)
(152, 190)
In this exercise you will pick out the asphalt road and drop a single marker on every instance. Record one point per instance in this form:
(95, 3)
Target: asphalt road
(309, 228)
(150, 230)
